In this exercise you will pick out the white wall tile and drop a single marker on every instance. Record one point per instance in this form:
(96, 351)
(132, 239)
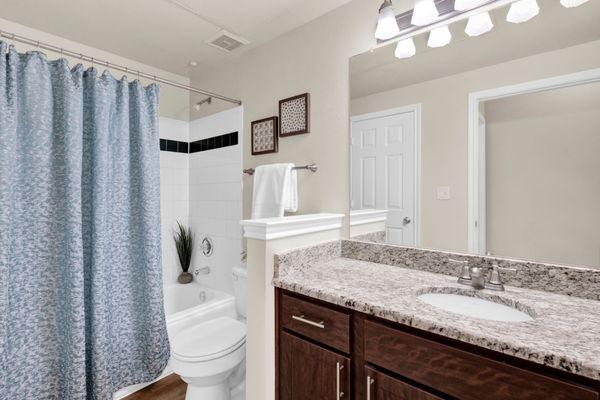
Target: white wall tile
(174, 194)
(217, 124)
(215, 198)
(174, 129)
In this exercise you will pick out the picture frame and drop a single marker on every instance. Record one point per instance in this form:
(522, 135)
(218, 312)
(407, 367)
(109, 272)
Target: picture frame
(294, 115)
(265, 134)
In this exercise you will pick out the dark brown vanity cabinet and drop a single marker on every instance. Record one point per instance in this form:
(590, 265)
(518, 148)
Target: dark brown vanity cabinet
(309, 371)
(329, 352)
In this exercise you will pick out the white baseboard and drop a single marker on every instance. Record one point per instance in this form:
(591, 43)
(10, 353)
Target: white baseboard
(134, 388)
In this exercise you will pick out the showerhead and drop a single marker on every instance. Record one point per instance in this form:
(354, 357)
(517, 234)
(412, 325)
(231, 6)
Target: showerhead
(207, 100)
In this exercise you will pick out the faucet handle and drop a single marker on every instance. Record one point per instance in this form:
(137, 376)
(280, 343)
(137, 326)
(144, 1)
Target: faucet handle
(494, 282)
(465, 273)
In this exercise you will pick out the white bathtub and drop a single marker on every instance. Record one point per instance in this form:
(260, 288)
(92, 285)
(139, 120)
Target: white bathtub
(185, 306)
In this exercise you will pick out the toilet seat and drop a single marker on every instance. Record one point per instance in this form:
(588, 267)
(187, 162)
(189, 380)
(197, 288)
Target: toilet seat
(209, 340)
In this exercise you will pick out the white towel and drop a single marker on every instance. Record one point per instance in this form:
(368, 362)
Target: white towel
(291, 191)
(275, 190)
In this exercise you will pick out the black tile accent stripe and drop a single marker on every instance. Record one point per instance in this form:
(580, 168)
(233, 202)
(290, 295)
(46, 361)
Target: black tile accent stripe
(215, 142)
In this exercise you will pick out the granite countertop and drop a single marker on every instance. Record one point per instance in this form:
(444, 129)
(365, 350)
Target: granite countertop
(564, 334)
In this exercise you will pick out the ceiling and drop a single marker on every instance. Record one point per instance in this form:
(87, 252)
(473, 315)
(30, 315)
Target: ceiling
(554, 28)
(162, 34)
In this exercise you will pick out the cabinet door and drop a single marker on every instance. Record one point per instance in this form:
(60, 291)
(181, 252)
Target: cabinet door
(380, 386)
(310, 372)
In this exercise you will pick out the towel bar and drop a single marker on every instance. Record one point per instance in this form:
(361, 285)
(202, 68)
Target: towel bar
(310, 167)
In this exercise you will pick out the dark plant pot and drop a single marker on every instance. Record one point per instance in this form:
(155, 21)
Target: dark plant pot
(185, 277)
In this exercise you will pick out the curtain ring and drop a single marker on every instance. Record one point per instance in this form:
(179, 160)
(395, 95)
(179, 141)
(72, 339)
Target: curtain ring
(92, 62)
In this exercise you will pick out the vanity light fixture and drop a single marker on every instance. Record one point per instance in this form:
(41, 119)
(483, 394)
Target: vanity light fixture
(439, 37)
(479, 24)
(405, 48)
(424, 13)
(572, 3)
(464, 5)
(522, 11)
(387, 26)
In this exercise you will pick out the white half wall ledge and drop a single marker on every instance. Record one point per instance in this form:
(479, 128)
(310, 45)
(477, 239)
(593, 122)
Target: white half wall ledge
(361, 217)
(277, 228)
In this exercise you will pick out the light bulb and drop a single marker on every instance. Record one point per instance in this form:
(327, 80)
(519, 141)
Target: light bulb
(522, 11)
(572, 3)
(479, 24)
(463, 5)
(387, 27)
(424, 13)
(405, 49)
(439, 37)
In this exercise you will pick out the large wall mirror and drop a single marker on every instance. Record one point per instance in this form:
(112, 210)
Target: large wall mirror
(488, 145)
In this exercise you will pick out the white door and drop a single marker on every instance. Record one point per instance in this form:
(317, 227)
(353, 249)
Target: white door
(383, 171)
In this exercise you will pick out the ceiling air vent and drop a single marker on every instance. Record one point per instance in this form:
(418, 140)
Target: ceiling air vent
(227, 41)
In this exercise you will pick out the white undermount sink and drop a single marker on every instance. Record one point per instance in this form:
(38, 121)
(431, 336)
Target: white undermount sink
(474, 307)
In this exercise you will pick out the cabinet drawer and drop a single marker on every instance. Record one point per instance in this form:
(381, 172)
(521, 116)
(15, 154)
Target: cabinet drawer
(322, 324)
(380, 386)
(459, 373)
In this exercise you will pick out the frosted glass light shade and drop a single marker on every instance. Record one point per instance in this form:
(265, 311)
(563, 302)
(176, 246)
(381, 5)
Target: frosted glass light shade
(387, 27)
(424, 13)
(572, 3)
(405, 49)
(479, 24)
(439, 37)
(522, 11)
(463, 5)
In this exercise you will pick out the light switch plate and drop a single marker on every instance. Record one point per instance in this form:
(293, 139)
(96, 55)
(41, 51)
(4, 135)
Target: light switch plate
(443, 192)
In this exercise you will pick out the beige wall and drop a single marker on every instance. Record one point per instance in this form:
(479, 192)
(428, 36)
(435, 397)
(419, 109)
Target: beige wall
(445, 132)
(543, 176)
(315, 59)
(174, 103)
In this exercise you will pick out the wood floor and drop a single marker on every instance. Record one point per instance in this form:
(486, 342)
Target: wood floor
(169, 388)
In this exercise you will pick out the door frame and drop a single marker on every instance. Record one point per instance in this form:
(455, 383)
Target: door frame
(477, 183)
(416, 110)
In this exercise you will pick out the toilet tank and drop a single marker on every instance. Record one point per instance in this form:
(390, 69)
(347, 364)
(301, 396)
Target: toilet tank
(239, 287)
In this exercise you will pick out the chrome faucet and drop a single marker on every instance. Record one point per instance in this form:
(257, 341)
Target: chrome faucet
(202, 271)
(479, 277)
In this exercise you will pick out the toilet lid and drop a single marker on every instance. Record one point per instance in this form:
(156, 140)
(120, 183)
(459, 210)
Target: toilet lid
(209, 339)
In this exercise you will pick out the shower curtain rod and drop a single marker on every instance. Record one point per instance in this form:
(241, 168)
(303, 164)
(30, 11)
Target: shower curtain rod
(107, 64)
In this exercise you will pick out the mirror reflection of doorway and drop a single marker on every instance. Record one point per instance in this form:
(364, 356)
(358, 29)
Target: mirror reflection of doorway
(537, 165)
(385, 172)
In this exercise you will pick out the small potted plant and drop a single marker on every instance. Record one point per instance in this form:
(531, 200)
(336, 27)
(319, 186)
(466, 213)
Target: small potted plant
(184, 242)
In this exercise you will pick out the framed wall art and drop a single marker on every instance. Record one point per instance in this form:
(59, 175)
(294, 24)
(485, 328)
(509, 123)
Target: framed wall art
(264, 136)
(294, 115)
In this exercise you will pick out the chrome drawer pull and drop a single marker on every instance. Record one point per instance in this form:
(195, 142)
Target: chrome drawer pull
(369, 383)
(309, 322)
(339, 369)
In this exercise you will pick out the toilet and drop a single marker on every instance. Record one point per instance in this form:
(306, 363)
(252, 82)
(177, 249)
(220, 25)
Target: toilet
(207, 354)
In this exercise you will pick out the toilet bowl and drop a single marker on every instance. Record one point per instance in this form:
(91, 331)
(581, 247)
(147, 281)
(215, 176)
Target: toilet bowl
(206, 354)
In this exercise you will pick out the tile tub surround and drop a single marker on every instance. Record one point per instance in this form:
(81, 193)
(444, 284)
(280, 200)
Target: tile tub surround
(565, 332)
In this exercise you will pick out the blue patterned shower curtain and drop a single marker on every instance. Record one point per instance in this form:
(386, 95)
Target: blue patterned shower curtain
(81, 306)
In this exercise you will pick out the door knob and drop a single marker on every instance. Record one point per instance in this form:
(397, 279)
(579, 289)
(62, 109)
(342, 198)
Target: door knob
(406, 221)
